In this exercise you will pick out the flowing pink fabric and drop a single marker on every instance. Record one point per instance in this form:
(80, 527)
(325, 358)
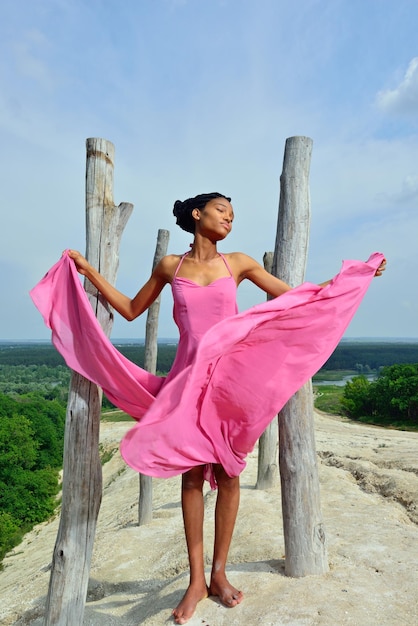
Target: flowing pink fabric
(79, 338)
(230, 377)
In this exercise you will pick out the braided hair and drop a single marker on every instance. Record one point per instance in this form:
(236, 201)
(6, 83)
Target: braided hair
(183, 210)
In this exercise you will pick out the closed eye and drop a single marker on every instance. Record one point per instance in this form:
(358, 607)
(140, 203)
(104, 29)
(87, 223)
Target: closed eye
(231, 219)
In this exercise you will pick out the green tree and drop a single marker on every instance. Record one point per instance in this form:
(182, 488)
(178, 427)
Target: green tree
(31, 442)
(356, 400)
(18, 448)
(48, 420)
(29, 496)
(392, 396)
(45, 420)
(9, 532)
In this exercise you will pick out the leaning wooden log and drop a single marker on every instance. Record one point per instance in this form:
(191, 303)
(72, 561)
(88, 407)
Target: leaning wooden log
(304, 534)
(267, 470)
(150, 364)
(82, 473)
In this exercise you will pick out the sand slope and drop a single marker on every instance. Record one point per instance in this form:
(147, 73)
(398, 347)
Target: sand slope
(369, 491)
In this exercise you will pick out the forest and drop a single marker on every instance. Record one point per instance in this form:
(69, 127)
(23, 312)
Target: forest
(391, 399)
(348, 354)
(31, 446)
(34, 382)
(371, 355)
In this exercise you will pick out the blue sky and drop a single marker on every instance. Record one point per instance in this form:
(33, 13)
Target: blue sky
(200, 95)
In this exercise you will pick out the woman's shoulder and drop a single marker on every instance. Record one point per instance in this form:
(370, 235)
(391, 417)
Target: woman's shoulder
(240, 260)
(171, 259)
(167, 266)
(242, 265)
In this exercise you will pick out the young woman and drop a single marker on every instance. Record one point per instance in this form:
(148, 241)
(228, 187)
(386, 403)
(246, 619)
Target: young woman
(204, 284)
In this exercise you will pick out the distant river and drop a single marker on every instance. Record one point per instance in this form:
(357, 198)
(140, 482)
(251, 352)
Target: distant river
(342, 381)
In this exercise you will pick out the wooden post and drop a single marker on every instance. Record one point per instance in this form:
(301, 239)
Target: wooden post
(304, 533)
(82, 475)
(150, 364)
(267, 471)
(151, 330)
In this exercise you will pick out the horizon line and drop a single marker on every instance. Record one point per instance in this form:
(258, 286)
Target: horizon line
(175, 339)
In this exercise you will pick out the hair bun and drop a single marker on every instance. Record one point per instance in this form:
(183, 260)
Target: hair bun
(178, 205)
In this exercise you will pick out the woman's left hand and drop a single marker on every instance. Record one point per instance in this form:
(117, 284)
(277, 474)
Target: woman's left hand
(381, 268)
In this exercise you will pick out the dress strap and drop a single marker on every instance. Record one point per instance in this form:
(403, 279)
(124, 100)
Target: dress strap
(183, 256)
(226, 263)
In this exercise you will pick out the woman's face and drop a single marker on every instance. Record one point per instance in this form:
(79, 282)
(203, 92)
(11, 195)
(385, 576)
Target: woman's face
(216, 218)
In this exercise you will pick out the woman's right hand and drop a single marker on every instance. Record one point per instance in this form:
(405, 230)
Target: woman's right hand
(80, 261)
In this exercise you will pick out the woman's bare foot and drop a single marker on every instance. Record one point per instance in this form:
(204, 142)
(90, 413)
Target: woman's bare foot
(187, 606)
(227, 594)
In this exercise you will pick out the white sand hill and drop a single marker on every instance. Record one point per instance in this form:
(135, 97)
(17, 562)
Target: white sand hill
(369, 492)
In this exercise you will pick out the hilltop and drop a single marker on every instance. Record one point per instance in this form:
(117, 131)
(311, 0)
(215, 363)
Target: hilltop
(369, 492)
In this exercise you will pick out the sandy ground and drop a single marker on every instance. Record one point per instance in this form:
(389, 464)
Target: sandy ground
(369, 493)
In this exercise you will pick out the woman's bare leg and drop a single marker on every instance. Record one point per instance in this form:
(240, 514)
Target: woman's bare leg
(225, 515)
(193, 513)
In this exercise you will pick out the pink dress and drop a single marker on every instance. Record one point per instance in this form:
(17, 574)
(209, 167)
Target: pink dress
(196, 309)
(233, 371)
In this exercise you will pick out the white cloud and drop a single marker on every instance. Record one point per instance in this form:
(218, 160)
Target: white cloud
(404, 98)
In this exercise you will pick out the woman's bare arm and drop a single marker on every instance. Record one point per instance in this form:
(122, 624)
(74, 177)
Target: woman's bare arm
(378, 272)
(244, 266)
(129, 308)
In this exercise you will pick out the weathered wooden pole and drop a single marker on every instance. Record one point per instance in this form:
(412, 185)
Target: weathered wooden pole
(267, 470)
(150, 364)
(304, 533)
(82, 473)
